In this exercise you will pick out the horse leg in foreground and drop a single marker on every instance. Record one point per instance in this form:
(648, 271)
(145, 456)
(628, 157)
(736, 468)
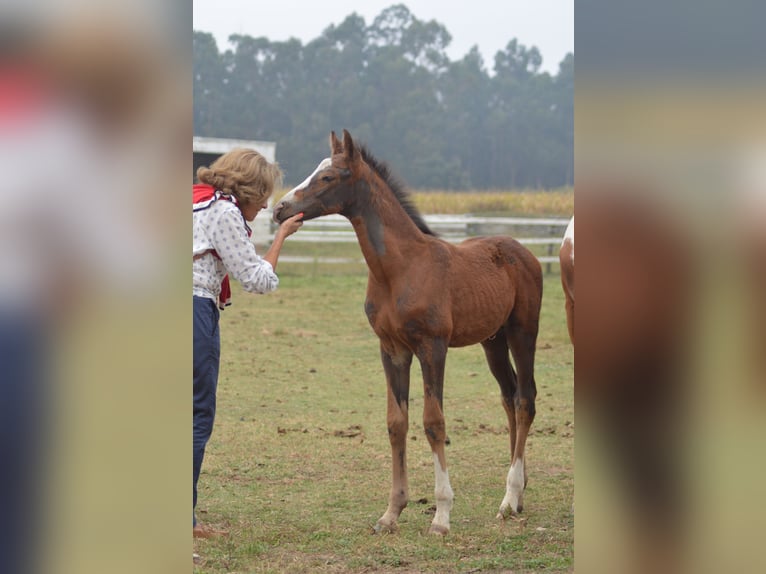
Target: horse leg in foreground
(518, 394)
(397, 369)
(432, 356)
(521, 339)
(496, 351)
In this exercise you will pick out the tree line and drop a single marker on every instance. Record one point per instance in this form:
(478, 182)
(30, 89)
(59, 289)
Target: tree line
(438, 123)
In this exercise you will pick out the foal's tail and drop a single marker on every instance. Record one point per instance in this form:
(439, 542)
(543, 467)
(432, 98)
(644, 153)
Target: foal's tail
(528, 272)
(524, 319)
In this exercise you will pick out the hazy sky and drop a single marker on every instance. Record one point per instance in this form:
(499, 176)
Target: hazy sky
(490, 24)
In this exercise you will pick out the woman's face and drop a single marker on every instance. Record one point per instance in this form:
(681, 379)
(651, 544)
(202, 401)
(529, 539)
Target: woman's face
(250, 210)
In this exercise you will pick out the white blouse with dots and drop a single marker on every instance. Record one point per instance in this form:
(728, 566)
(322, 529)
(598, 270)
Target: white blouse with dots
(222, 228)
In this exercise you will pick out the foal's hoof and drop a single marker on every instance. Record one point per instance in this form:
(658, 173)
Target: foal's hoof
(381, 528)
(507, 512)
(438, 530)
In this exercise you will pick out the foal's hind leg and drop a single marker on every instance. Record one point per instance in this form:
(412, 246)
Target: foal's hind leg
(521, 338)
(397, 369)
(496, 351)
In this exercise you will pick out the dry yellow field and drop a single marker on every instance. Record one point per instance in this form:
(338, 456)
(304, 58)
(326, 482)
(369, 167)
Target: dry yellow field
(558, 202)
(532, 203)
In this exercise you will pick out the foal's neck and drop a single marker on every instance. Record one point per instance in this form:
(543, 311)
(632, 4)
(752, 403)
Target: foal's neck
(387, 235)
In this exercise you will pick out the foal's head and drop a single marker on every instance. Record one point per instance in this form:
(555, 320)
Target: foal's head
(329, 189)
(342, 183)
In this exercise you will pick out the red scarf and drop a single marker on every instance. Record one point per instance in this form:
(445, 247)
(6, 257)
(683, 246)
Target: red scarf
(22, 96)
(203, 197)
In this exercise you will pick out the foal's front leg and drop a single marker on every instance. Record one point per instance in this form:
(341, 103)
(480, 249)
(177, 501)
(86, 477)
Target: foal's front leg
(432, 358)
(397, 369)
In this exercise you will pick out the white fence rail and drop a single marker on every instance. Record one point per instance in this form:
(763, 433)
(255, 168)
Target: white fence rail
(453, 228)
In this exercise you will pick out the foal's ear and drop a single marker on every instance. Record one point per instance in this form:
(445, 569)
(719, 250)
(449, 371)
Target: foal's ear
(351, 153)
(335, 144)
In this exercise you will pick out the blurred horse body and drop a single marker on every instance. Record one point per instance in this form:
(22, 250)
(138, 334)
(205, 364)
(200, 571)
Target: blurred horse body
(566, 261)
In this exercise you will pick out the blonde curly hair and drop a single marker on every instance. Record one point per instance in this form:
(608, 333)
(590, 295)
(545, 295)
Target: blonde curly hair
(243, 173)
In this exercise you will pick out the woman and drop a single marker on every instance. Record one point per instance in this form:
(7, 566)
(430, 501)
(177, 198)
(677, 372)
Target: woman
(231, 192)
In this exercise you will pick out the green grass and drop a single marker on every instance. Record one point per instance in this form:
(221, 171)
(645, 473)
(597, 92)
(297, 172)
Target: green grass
(298, 468)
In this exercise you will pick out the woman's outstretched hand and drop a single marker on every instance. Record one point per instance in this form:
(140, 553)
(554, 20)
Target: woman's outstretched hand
(286, 229)
(291, 225)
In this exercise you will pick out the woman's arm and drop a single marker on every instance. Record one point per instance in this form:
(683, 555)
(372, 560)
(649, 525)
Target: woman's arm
(230, 240)
(285, 230)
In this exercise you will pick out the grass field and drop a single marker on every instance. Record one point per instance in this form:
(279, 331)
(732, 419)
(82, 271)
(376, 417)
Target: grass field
(298, 468)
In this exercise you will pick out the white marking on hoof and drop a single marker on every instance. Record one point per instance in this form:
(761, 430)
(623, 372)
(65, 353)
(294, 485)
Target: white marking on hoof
(444, 497)
(514, 491)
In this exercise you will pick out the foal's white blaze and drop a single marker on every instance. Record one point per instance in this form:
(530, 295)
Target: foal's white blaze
(443, 494)
(326, 162)
(514, 488)
(569, 235)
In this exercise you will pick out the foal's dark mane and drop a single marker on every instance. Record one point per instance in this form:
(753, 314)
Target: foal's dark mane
(401, 194)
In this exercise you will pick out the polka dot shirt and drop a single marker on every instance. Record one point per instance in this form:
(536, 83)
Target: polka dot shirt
(221, 227)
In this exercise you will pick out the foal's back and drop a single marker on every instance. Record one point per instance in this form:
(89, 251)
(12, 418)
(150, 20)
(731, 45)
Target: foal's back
(485, 279)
